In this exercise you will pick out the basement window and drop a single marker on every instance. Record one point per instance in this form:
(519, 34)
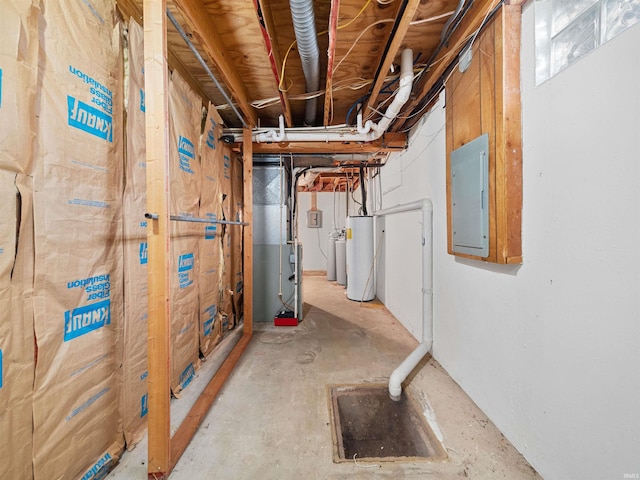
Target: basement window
(568, 30)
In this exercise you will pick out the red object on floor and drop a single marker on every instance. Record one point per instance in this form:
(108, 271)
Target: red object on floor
(279, 321)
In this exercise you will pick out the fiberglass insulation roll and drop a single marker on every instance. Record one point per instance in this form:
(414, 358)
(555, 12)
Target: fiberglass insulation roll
(78, 242)
(185, 109)
(210, 242)
(134, 364)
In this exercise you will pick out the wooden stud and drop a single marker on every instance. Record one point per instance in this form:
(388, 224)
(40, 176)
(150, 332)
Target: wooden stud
(484, 50)
(248, 231)
(159, 324)
(195, 13)
(510, 119)
(398, 37)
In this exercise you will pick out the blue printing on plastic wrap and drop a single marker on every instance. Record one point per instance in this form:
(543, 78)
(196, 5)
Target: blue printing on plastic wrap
(100, 469)
(186, 152)
(85, 319)
(211, 134)
(211, 312)
(185, 265)
(144, 405)
(187, 375)
(227, 166)
(89, 119)
(144, 247)
(210, 230)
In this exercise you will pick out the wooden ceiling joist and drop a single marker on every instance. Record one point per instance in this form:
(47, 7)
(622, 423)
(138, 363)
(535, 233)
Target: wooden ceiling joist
(389, 142)
(265, 19)
(200, 22)
(331, 55)
(402, 26)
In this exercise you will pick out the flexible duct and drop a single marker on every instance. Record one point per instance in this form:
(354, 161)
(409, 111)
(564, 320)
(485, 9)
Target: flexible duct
(304, 25)
(364, 133)
(404, 369)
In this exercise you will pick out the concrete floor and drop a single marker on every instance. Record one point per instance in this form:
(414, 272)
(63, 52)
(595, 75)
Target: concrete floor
(271, 420)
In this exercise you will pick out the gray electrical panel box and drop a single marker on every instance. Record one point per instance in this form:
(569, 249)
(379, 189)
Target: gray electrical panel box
(314, 218)
(470, 197)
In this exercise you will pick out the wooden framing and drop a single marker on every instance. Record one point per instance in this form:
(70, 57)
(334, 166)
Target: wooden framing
(164, 451)
(197, 16)
(331, 55)
(389, 142)
(247, 248)
(157, 143)
(398, 36)
(274, 55)
(486, 99)
(469, 24)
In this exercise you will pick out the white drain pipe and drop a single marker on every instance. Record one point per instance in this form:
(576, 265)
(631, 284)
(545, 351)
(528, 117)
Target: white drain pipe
(362, 133)
(400, 374)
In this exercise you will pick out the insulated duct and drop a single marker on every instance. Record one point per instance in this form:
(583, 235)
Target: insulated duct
(304, 25)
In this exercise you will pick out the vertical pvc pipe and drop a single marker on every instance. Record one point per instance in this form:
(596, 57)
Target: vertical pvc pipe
(404, 369)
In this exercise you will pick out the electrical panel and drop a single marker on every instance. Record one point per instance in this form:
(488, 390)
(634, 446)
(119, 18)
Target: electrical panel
(470, 197)
(314, 218)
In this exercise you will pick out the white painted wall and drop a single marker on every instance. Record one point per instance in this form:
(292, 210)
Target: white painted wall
(314, 240)
(550, 350)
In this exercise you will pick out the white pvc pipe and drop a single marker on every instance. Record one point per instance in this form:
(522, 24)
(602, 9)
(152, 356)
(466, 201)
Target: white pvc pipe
(404, 369)
(367, 133)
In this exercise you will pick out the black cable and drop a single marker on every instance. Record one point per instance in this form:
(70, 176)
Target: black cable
(364, 191)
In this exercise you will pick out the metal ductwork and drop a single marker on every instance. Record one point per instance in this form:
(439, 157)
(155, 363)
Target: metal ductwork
(304, 24)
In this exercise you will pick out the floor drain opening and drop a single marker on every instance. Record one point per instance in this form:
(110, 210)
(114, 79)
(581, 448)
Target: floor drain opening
(368, 426)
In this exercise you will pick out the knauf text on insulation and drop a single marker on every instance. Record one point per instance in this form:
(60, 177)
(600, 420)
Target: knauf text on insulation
(96, 120)
(187, 153)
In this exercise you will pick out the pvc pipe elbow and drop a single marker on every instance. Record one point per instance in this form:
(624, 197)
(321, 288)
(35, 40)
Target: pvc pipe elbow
(278, 137)
(395, 385)
(363, 130)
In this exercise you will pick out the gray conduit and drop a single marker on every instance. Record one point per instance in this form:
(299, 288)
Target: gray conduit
(205, 66)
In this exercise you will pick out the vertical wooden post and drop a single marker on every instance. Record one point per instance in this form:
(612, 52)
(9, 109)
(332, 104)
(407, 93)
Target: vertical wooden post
(247, 162)
(158, 236)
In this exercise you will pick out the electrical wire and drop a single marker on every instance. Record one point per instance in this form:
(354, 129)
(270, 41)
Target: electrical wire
(385, 20)
(471, 40)
(432, 19)
(339, 27)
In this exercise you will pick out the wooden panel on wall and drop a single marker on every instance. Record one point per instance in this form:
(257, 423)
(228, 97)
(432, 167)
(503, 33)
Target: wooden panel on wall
(486, 99)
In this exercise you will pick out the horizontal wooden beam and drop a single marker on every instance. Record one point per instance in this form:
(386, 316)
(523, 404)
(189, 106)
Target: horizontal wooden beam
(196, 15)
(390, 142)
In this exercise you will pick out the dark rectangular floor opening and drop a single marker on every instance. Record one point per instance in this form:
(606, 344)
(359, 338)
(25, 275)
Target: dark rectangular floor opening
(369, 426)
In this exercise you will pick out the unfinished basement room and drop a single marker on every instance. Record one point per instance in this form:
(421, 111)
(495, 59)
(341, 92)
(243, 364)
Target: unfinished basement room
(339, 239)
